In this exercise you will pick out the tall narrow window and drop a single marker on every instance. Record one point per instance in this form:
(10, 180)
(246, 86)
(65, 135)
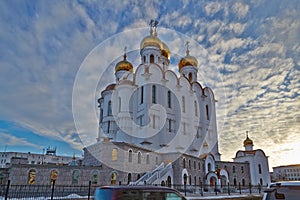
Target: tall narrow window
(196, 108)
(153, 94)
(151, 58)
(183, 103)
(169, 99)
(109, 111)
(108, 127)
(113, 179)
(95, 177)
(190, 77)
(120, 104)
(209, 167)
(31, 176)
(142, 95)
(114, 154)
(242, 169)
(259, 168)
(233, 169)
(75, 177)
(170, 125)
(243, 182)
(130, 156)
(148, 159)
(144, 58)
(207, 112)
(183, 162)
(101, 115)
(139, 157)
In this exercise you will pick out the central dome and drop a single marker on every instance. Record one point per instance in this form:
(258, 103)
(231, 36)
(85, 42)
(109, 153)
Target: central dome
(151, 40)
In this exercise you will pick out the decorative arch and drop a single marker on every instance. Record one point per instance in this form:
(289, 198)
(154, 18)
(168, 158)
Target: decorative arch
(184, 176)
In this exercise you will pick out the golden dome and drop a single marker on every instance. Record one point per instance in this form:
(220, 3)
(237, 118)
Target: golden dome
(124, 65)
(248, 141)
(165, 51)
(151, 40)
(187, 60)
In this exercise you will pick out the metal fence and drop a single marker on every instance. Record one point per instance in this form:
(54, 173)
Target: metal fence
(76, 192)
(47, 192)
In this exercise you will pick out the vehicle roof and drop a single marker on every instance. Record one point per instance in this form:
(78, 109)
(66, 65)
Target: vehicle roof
(285, 183)
(144, 187)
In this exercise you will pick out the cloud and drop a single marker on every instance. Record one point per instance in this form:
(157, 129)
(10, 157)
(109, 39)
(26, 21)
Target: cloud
(10, 140)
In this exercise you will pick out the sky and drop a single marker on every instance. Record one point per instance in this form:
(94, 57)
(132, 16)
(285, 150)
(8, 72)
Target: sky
(254, 46)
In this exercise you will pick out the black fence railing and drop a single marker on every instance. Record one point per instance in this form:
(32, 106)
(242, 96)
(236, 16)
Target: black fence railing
(49, 192)
(76, 192)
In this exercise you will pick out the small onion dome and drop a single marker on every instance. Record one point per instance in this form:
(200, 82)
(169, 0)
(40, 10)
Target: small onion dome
(248, 141)
(110, 87)
(124, 65)
(165, 51)
(151, 40)
(187, 60)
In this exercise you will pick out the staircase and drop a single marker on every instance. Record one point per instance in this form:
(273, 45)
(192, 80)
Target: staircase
(155, 176)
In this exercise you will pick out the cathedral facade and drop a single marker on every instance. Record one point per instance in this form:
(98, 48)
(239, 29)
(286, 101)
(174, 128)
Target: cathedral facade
(156, 127)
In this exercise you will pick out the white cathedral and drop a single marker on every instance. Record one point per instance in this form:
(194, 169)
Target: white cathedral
(156, 127)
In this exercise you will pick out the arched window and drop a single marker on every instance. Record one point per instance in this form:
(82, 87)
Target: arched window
(113, 179)
(195, 180)
(130, 156)
(196, 108)
(183, 162)
(207, 112)
(261, 181)
(120, 104)
(114, 154)
(243, 182)
(199, 165)
(129, 178)
(139, 157)
(109, 111)
(53, 175)
(31, 176)
(75, 177)
(169, 99)
(190, 164)
(95, 177)
(209, 167)
(183, 103)
(153, 94)
(234, 181)
(190, 77)
(242, 169)
(151, 58)
(233, 169)
(259, 168)
(195, 165)
(148, 159)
